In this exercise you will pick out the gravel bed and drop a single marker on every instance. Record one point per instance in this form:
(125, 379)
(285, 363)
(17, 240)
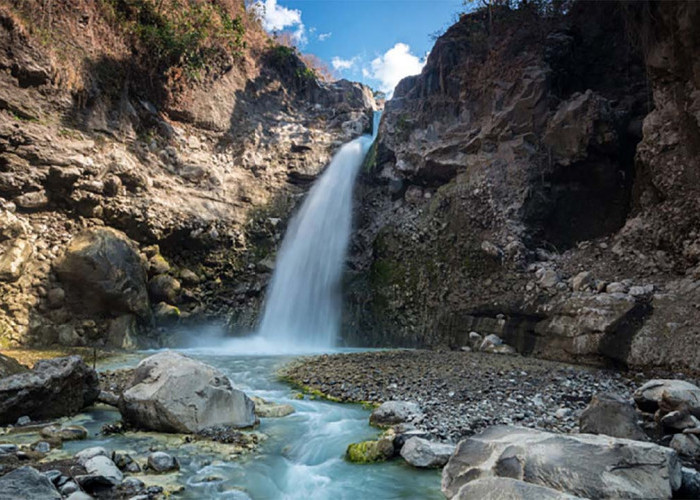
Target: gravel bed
(462, 393)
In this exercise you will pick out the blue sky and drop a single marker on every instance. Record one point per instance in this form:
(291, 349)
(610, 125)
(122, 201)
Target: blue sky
(377, 42)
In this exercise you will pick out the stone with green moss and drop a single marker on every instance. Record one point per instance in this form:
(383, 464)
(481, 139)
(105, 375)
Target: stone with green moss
(367, 452)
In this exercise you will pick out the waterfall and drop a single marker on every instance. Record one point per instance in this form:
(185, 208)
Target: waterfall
(303, 306)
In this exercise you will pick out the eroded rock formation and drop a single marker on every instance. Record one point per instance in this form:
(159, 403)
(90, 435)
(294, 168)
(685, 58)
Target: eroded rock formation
(536, 181)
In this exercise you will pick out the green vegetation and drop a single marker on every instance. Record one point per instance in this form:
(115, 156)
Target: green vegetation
(182, 34)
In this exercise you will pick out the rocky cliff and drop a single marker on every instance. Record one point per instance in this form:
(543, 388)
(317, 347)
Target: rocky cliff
(149, 159)
(538, 181)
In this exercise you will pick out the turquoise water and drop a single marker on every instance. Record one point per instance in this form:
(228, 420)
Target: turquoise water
(302, 458)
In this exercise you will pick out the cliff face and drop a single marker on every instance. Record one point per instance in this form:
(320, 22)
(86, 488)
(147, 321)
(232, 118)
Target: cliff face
(109, 118)
(538, 181)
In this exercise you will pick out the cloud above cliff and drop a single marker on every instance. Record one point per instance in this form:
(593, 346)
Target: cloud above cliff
(395, 64)
(340, 64)
(275, 18)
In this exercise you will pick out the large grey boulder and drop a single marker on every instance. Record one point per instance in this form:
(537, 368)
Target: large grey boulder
(503, 488)
(170, 392)
(102, 272)
(422, 453)
(585, 465)
(394, 412)
(28, 484)
(676, 393)
(611, 415)
(54, 388)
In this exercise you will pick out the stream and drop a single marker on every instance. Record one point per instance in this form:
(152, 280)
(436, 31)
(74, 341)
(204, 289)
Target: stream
(302, 458)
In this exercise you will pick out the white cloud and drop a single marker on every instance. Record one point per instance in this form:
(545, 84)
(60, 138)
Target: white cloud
(343, 64)
(322, 37)
(275, 17)
(395, 64)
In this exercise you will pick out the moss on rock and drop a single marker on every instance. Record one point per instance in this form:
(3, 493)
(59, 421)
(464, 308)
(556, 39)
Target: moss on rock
(366, 452)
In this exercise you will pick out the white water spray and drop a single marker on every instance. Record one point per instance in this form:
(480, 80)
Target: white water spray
(302, 310)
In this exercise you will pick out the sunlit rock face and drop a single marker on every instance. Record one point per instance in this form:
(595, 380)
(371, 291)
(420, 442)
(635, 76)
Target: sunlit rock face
(518, 160)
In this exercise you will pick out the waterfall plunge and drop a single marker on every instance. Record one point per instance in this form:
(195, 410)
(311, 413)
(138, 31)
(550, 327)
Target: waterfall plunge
(302, 309)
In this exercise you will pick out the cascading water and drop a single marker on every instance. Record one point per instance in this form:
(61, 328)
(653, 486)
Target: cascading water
(302, 310)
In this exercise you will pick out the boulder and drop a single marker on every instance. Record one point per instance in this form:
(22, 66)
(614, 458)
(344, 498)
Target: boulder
(28, 484)
(504, 488)
(88, 453)
(101, 473)
(366, 452)
(649, 396)
(164, 288)
(10, 366)
(54, 388)
(170, 392)
(165, 314)
(268, 409)
(394, 412)
(687, 445)
(103, 273)
(585, 465)
(422, 453)
(611, 415)
(162, 462)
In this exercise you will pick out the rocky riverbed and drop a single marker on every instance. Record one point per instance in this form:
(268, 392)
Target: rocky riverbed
(462, 393)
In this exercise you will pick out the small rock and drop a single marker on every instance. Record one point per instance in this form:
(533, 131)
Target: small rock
(583, 281)
(549, 278)
(422, 453)
(79, 495)
(162, 462)
(490, 342)
(165, 314)
(641, 291)
(616, 287)
(8, 449)
(68, 433)
(680, 420)
(88, 453)
(562, 413)
(189, 278)
(69, 487)
(650, 395)
(268, 409)
(475, 340)
(690, 483)
(42, 447)
(23, 420)
(687, 445)
(56, 297)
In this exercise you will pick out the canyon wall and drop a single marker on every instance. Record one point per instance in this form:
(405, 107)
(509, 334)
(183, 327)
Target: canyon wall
(146, 179)
(538, 180)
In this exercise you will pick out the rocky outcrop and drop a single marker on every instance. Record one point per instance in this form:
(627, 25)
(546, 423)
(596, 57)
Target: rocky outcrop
(173, 393)
(10, 366)
(207, 168)
(102, 273)
(583, 465)
(54, 388)
(522, 185)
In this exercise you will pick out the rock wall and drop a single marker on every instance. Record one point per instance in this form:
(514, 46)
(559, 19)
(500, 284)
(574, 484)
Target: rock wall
(538, 181)
(179, 186)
